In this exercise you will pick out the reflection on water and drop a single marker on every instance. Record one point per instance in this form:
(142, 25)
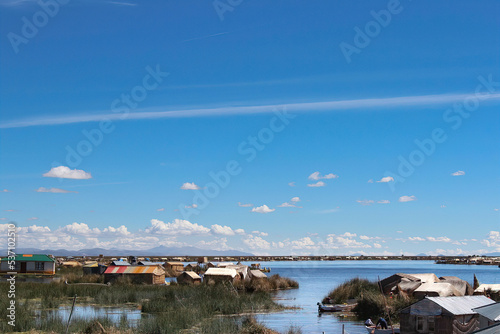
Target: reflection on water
(317, 278)
(88, 312)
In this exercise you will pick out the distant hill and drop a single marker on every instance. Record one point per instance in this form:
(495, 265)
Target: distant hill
(493, 254)
(156, 251)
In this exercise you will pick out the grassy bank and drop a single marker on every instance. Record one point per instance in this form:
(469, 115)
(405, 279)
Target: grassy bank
(371, 303)
(174, 308)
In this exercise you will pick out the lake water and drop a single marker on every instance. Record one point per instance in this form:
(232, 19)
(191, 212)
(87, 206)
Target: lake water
(317, 278)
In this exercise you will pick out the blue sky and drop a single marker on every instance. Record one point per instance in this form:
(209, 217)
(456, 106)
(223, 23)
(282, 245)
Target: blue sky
(346, 127)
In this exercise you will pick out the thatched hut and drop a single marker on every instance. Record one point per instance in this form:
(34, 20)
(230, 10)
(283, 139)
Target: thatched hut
(174, 266)
(188, 277)
(257, 274)
(462, 286)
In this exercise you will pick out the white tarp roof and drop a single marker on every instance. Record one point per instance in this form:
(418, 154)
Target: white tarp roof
(221, 272)
(442, 289)
(484, 287)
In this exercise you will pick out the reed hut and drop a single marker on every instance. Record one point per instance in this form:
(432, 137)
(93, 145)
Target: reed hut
(490, 290)
(442, 315)
(257, 274)
(137, 274)
(220, 275)
(175, 266)
(94, 268)
(188, 277)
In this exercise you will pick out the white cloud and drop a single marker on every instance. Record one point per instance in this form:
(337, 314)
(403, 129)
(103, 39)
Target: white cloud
(383, 201)
(370, 181)
(64, 172)
(80, 229)
(262, 234)
(303, 243)
(160, 209)
(416, 239)
(287, 205)
(317, 176)
(295, 199)
(194, 206)
(377, 245)
(222, 230)
(176, 227)
(458, 173)
(407, 198)
(256, 242)
(189, 186)
(120, 231)
(54, 190)
(291, 184)
(317, 184)
(6, 191)
(219, 244)
(366, 202)
(245, 205)
(320, 106)
(336, 242)
(263, 209)
(349, 235)
(386, 179)
(239, 231)
(439, 239)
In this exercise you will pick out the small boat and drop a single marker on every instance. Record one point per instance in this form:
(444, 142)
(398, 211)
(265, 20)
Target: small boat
(373, 330)
(335, 307)
(265, 270)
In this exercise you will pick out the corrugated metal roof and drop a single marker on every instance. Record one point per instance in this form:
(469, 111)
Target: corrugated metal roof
(131, 269)
(461, 305)
(31, 257)
(491, 312)
(221, 272)
(495, 329)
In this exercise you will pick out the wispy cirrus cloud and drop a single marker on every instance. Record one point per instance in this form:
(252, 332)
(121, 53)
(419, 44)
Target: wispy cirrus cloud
(54, 190)
(189, 186)
(322, 106)
(458, 173)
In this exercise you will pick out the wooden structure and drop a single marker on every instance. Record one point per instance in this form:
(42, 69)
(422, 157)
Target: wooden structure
(94, 268)
(37, 264)
(137, 274)
(443, 315)
(188, 277)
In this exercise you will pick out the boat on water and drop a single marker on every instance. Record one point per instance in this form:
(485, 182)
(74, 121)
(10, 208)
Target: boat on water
(335, 307)
(373, 330)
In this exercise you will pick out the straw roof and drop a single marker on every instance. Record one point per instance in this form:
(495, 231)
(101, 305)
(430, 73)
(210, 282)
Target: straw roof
(221, 272)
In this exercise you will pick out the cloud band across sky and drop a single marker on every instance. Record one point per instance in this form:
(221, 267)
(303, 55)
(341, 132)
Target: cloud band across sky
(324, 106)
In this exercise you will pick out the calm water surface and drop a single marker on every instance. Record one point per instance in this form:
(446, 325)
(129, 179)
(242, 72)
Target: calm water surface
(317, 278)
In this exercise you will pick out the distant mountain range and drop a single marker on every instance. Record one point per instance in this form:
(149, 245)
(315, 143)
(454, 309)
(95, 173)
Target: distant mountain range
(156, 251)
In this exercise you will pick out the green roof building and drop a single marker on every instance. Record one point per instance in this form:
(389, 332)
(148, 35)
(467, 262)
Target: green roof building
(37, 264)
